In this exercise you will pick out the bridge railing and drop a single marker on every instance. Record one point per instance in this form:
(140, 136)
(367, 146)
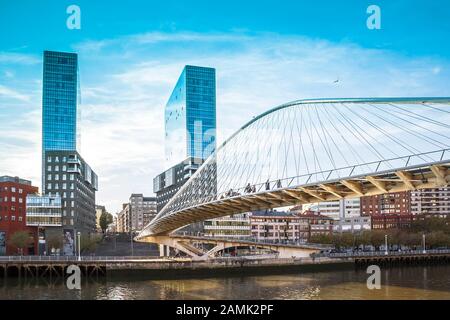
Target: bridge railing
(72, 258)
(389, 253)
(339, 173)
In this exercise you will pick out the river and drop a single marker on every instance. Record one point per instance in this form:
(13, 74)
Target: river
(396, 283)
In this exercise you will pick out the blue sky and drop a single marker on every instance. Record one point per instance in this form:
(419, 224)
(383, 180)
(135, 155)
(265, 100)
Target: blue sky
(265, 52)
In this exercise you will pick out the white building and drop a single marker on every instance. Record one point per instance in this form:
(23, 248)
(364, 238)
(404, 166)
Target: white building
(352, 224)
(235, 226)
(431, 202)
(344, 208)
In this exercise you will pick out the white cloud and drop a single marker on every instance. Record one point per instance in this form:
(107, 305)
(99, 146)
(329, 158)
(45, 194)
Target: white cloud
(6, 93)
(127, 81)
(18, 58)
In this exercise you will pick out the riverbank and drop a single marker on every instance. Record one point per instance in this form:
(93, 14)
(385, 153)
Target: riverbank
(167, 268)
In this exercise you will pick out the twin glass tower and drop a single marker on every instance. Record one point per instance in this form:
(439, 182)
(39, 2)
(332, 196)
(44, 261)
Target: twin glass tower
(190, 130)
(190, 116)
(64, 172)
(59, 101)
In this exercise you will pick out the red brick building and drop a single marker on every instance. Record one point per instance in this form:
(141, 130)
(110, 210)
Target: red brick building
(318, 224)
(390, 203)
(13, 194)
(388, 211)
(391, 221)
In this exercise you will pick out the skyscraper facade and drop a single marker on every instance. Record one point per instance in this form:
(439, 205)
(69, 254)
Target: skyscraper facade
(190, 116)
(65, 173)
(59, 101)
(190, 130)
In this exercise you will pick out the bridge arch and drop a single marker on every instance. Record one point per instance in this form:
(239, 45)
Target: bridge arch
(317, 150)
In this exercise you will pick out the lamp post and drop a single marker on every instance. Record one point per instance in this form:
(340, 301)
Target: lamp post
(386, 245)
(424, 244)
(131, 243)
(79, 245)
(38, 242)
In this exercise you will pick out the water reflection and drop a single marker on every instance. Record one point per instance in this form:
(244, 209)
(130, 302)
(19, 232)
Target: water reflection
(401, 283)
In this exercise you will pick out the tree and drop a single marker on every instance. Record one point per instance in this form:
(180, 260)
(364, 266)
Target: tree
(321, 238)
(437, 239)
(21, 240)
(377, 238)
(364, 238)
(105, 220)
(54, 241)
(88, 243)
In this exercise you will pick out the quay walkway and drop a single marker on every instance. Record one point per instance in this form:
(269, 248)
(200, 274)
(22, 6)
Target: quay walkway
(95, 266)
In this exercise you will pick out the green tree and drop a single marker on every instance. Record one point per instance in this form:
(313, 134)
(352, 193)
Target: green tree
(321, 238)
(88, 243)
(105, 220)
(54, 241)
(437, 239)
(377, 238)
(21, 240)
(364, 238)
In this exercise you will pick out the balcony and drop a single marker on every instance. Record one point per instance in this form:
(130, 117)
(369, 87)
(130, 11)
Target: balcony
(73, 159)
(74, 169)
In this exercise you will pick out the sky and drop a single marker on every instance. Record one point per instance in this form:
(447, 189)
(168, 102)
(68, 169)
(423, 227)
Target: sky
(265, 52)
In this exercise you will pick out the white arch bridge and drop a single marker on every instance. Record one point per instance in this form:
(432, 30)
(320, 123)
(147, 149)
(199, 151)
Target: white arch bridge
(316, 150)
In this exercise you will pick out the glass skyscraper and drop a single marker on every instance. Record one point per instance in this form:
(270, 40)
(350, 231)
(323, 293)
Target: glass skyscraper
(65, 173)
(190, 129)
(190, 116)
(59, 101)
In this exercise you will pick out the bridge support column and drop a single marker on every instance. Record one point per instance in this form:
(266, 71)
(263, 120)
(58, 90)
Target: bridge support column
(164, 250)
(167, 242)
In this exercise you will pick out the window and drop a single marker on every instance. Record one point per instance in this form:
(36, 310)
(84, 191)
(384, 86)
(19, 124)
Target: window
(49, 186)
(56, 176)
(49, 159)
(20, 191)
(13, 189)
(49, 177)
(13, 199)
(49, 168)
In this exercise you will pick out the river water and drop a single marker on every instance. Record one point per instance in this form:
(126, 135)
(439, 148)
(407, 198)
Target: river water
(396, 283)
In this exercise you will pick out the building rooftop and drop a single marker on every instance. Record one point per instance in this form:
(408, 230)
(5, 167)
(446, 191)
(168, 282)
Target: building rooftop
(15, 179)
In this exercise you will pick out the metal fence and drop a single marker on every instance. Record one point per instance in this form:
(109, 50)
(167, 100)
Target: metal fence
(388, 253)
(73, 258)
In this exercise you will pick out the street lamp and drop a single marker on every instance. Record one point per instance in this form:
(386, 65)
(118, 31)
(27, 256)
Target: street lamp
(385, 245)
(79, 245)
(423, 244)
(131, 243)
